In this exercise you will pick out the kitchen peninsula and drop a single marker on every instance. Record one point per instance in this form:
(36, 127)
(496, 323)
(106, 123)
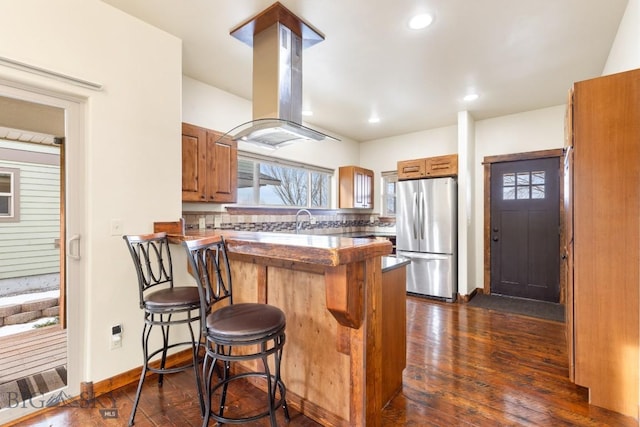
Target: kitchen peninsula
(344, 300)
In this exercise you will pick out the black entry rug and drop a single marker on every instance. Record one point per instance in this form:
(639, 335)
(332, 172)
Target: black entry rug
(33, 386)
(526, 307)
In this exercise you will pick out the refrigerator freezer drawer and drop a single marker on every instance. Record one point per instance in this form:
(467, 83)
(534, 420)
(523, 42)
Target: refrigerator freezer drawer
(431, 275)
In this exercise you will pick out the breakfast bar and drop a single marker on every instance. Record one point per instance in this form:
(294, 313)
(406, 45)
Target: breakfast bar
(344, 300)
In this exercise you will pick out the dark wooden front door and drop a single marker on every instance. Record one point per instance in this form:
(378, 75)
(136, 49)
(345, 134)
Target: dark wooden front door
(525, 221)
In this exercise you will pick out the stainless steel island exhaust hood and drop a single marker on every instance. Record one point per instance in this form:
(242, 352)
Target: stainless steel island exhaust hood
(278, 38)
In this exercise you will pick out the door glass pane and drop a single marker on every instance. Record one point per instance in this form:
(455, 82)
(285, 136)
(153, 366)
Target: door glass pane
(537, 191)
(537, 177)
(523, 178)
(508, 179)
(523, 192)
(508, 193)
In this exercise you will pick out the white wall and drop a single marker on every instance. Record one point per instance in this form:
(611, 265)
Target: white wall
(131, 146)
(625, 51)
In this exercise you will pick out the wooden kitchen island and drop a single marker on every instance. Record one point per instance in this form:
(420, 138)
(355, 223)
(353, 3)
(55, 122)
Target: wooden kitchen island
(346, 320)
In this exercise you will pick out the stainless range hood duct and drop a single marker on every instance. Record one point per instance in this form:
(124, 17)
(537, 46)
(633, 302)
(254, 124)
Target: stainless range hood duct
(277, 79)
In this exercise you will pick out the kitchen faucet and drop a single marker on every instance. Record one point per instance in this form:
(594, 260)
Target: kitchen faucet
(299, 224)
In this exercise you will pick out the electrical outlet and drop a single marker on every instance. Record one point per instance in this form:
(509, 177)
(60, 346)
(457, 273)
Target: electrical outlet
(201, 223)
(116, 227)
(312, 220)
(116, 337)
(372, 219)
(217, 222)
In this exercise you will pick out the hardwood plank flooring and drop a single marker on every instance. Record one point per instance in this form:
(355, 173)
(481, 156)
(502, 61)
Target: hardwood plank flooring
(466, 366)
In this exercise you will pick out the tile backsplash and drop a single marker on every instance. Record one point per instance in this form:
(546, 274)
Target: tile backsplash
(331, 223)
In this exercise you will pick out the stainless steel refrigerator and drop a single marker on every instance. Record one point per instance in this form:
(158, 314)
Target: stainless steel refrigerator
(426, 233)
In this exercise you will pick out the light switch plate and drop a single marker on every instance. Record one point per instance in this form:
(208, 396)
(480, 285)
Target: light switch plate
(116, 227)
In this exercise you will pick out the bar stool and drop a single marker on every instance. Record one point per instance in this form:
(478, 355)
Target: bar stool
(164, 305)
(257, 329)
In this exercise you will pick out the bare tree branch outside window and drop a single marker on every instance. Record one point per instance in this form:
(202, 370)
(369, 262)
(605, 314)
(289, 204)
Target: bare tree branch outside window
(319, 189)
(293, 184)
(271, 184)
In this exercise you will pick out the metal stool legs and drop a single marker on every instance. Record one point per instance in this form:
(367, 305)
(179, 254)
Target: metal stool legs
(273, 380)
(161, 370)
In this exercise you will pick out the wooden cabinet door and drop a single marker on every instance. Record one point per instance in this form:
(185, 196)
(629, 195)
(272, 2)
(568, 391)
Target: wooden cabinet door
(412, 169)
(362, 194)
(209, 166)
(222, 168)
(429, 167)
(367, 188)
(442, 166)
(193, 163)
(355, 187)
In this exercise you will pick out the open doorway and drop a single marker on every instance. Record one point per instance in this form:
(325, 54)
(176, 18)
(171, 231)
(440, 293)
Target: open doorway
(66, 333)
(32, 291)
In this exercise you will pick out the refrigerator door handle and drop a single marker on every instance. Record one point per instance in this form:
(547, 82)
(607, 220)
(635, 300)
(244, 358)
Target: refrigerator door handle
(415, 217)
(423, 220)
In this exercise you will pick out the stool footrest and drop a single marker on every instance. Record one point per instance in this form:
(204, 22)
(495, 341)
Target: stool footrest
(276, 403)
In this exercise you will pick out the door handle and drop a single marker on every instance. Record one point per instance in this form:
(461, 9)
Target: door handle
(423, 214)
(416, 215)
(70, 253)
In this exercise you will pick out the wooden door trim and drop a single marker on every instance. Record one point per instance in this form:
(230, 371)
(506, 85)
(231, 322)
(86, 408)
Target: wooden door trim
(487, 162)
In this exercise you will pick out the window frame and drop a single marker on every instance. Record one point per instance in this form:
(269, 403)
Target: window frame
(388, 177)
(275, 161)
(13, 194)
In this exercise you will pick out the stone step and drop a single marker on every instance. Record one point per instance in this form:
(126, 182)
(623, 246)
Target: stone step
(14, 314)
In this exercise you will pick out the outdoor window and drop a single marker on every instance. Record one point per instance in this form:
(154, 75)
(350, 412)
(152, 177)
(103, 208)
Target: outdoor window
(389, 180)
(9, 179)
(266, 181)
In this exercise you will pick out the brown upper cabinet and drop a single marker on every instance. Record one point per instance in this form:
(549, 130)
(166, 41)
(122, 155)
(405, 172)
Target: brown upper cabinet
(209, 166)
(428, 167)
(355, 189)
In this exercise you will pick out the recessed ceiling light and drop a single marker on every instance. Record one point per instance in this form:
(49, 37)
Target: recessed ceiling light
(307, 113)
(374, 119)
(420, 21)
(471, 97)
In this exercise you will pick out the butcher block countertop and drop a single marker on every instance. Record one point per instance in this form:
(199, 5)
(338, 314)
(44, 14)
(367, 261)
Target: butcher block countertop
(345, 304)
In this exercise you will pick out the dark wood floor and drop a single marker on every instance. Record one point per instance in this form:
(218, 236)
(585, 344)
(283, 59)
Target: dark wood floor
(466, 366)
